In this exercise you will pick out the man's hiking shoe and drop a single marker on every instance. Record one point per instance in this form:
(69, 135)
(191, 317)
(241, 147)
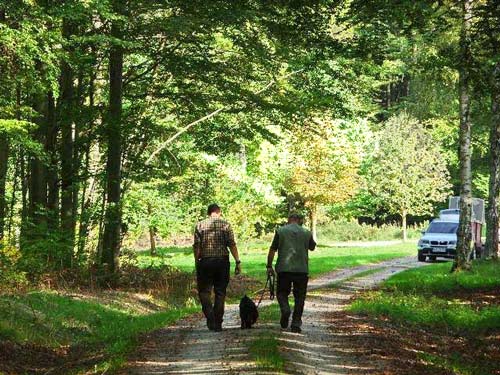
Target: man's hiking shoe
(217, 328)
(296, 329)
(211, 324)
(284, 320)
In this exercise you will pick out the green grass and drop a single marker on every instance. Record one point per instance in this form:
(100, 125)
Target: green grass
(456, 364)
(438, 279)
(271, 313)
(53, 320)
(254, 258)
(410, 297)
(431, 298)
(264, 350)
(111, 326)
(430, 312)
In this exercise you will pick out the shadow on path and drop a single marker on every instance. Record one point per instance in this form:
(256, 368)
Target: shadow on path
(189, 348)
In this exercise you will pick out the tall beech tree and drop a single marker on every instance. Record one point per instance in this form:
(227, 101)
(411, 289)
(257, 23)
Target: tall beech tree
(464, 87)
(112, 228)
(66, 121)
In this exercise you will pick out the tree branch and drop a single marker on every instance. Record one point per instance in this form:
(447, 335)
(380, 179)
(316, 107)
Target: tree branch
(210, 115)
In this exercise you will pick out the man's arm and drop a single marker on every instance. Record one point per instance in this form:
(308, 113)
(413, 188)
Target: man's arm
(312, 243)
(197, 244)
(270, 258)
(234, 253)
(234, 250)
(272, 251)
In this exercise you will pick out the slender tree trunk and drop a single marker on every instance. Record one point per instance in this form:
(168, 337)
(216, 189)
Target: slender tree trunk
(66, 113)
(492, 225)
(404, 214)
(112, 240)
(4, 158)
(52, 175)
(37, 178)
(152, 232)
(313, 217)
(464, 228)
(24, 200)
(12, 203)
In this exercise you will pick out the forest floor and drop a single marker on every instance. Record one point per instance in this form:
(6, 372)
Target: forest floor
(325, 347)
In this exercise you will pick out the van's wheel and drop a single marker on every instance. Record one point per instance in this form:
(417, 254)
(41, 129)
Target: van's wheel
(432, 258)
(421, 258)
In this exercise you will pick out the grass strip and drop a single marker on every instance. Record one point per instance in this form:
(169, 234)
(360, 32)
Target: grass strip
(322, 260)
(52, 320)
(264, 350)
(456, 365)
(437, 278)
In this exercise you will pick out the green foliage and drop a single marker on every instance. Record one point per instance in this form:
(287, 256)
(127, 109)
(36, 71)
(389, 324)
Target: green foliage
(408, 172)
(324, 166)
(343, 230)
(11, 275)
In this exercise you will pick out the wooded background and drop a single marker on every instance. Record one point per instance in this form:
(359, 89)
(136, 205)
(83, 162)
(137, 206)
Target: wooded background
(120, 118)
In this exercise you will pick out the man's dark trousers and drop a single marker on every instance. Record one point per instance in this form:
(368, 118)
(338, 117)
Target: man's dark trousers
(213, 272)
(299, 282)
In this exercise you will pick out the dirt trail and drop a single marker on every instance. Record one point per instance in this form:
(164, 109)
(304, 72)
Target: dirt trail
(189, 348)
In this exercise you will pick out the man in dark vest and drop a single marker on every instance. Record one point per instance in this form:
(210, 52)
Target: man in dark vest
(292, 242)
(212, 239)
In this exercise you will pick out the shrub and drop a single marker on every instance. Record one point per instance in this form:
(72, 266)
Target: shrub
(11, 277)
(352, 231)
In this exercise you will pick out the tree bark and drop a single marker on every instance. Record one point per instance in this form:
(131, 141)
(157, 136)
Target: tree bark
(313, 216)
(52, 172)
(66, 112)
(152, 232)
(111, 238)
(403, 221)
(492, 225)
(464, 229)
(37, 177)
(4, 158)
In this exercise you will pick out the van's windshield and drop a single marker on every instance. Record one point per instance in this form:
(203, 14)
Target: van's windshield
(442, 227)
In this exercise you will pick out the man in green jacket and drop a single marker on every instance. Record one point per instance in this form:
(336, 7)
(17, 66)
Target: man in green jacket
(292, 242)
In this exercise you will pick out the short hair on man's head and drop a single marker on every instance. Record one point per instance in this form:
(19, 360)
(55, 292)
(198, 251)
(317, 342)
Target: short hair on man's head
(295, 216)
(214, 207)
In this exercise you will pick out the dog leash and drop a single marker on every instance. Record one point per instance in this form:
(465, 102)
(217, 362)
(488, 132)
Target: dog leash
(270, 282)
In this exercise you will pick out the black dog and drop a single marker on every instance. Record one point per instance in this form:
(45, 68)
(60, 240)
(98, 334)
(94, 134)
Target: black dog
(248, 313)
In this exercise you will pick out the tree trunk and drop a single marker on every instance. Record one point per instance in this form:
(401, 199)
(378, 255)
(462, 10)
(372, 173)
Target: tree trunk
(403, 221)
(111, 239)
(4, 158)
(66, 113)
(12, 203)
(464, 229)
(24, 200)
(37, 178)
(492, 225)
(52, 173)
(313, 217)
(152, 232)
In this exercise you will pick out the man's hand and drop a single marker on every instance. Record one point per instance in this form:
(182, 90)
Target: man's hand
(270, 271)
(237, 269)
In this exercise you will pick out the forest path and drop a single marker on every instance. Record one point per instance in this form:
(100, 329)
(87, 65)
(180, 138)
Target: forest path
(189, 348)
